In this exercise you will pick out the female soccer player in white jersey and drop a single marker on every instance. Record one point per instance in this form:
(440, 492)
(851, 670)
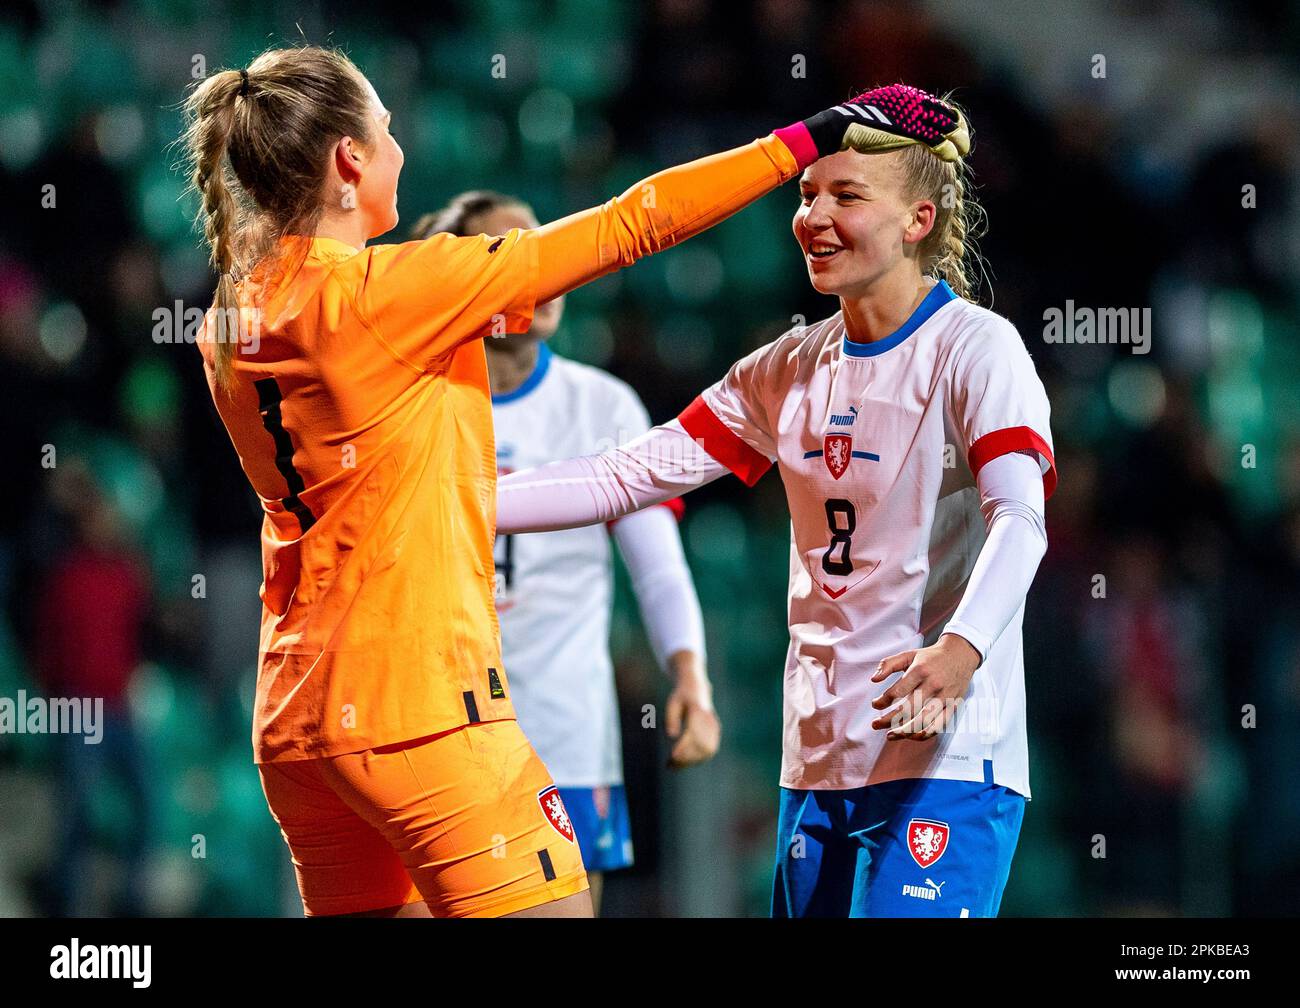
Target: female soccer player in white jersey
(911, 432)
(555, 591)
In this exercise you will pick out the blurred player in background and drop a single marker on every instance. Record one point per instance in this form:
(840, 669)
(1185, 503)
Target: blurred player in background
(555, 592)
(911, 431)
(353, 383)
(93, 618)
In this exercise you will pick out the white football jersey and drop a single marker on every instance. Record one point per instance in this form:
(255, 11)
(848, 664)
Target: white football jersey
(877, 444)
(555, 589)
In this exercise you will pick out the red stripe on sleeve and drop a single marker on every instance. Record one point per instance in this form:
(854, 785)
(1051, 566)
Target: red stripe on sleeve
(722, 443)
(1008, 440)
(677, 506)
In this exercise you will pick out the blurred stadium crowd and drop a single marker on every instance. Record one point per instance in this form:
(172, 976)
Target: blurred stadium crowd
(1163, 632)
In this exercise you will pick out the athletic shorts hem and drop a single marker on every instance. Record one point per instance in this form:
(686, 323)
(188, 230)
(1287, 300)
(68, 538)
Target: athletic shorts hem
(548, 892)
(339, 906)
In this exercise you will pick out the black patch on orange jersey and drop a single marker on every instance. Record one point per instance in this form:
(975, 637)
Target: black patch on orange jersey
(548, 869)
(471, 706)
(269, 398)
(495, 689)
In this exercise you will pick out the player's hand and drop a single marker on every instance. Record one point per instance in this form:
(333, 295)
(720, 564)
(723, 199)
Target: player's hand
(928, 692)
(690, 718)
(883, 119)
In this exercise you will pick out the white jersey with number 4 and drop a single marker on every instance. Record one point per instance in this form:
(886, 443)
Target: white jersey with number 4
(555, 589)
(878, 445)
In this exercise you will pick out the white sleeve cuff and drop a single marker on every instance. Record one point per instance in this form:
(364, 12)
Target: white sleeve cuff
(1011, 494)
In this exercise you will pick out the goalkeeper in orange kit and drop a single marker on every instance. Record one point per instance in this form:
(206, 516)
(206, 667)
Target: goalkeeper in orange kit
(383, 726)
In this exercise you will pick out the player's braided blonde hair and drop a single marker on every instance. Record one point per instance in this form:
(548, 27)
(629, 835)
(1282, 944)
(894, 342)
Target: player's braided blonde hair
(257, 146)
(948, 251)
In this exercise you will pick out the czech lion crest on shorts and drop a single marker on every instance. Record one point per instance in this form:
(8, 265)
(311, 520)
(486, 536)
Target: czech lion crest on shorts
(927, 839)
(556, 814)
(838, 450)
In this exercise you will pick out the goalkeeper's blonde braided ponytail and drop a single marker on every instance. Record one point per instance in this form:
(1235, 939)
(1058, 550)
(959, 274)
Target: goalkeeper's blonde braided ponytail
(948, 251)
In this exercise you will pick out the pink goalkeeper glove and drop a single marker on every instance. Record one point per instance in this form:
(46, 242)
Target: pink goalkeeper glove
(885, 118)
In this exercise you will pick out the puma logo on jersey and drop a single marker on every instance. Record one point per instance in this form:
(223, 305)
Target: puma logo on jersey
(932, 890)
(837, 447)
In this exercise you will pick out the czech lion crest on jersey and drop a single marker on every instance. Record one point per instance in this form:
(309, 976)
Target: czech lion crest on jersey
(556, 814)
(838, 451)
(927, 839)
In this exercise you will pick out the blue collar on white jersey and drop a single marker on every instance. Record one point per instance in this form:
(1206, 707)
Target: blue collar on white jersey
(940, 294)
(531, 382)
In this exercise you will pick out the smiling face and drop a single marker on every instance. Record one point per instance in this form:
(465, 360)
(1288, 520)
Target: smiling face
(855, 223)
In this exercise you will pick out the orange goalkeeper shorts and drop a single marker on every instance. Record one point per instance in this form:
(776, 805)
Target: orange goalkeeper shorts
(467, 820)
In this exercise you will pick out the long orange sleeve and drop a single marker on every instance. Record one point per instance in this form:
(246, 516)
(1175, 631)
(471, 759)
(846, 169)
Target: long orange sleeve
(657, 213)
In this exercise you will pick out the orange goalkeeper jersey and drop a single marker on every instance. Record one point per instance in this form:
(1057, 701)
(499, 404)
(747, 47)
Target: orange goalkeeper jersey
(362, 417)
